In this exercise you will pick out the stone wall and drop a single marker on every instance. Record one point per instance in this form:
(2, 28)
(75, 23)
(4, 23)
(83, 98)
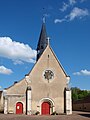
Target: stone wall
(81, 107)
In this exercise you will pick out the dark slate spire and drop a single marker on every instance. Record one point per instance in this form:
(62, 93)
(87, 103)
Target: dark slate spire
(42, 43)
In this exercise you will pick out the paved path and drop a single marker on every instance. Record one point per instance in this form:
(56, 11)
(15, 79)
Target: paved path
(74, 116)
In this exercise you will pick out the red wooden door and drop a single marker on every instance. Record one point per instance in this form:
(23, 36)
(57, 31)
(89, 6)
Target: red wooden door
(45, 108)
(19, 108)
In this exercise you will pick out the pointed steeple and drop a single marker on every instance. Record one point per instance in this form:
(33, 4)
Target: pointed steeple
(42, 43)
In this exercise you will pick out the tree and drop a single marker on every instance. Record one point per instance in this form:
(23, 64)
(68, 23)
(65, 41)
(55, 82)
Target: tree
(79, 94)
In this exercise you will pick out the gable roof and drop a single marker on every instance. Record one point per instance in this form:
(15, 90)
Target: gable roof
(55, 58)
(48, 46)
(59, 62)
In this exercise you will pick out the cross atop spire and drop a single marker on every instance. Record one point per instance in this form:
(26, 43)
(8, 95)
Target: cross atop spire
(48, 40)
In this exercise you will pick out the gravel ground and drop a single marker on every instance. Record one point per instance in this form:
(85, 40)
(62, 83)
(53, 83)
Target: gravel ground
(74, 116)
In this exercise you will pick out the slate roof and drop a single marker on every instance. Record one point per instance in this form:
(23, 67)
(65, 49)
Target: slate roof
(42, 43)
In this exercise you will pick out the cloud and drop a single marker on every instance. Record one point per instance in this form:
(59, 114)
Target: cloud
(59, 21)
(72, 2)
(82, 72)
(67, 5)
(16, 51)
(64, 7)
(4, 70)
(17, 62)
(75, 13)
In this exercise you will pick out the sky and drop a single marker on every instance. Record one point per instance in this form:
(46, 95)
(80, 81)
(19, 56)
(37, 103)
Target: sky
(67, 25)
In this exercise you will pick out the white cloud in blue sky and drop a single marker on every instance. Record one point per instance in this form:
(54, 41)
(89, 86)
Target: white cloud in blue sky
(72, 2)
(16, 51)
(64, 7)
(67, 5)
(59, 20)
(82, 72)
(75, 12)
(17, 62)
(4, 70)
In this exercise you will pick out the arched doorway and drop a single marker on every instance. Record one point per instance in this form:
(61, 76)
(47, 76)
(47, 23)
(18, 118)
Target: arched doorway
(45, 108)
(19, 108)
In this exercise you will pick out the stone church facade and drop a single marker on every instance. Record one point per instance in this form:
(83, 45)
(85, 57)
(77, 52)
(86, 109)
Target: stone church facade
(44, 89)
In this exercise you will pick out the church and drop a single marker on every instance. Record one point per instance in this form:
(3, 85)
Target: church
(44, 90)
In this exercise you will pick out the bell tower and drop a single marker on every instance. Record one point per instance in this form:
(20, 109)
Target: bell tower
(43, 42)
